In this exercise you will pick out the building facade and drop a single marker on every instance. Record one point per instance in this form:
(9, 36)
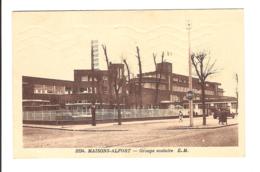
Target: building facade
(87, 87)
(160, 88)
(172, 87)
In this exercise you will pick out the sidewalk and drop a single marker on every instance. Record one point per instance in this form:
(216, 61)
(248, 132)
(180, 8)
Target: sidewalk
(98, 127)
(197, 124)
(169, 124)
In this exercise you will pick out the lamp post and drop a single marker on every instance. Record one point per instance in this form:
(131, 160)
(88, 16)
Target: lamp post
(190, 96)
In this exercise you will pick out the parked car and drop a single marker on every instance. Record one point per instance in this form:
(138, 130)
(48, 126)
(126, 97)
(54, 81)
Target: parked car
(217, 113)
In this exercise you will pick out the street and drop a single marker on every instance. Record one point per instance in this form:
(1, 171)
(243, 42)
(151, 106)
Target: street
(136, 134)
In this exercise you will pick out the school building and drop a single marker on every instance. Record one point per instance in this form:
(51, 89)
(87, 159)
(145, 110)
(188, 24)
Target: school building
(160, 88)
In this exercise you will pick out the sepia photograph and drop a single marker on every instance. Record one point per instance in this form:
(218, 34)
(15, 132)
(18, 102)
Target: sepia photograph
(138, 83)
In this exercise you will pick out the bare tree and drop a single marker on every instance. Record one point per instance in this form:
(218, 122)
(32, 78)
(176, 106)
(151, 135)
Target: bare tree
(158, 80)
(105, 53)
(129, 85)
(99, 77)
(109, 75)
(140, 77)
(117, 80)
(128, 70)
(204, 68)
(135, 92)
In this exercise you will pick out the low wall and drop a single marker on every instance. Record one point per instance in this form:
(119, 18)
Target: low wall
(89, 121)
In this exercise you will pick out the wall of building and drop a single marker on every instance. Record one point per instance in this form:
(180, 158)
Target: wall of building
(172, 87)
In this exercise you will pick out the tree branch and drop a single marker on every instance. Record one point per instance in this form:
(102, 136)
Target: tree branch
(128, 70)
(195, 64)
(105, 53)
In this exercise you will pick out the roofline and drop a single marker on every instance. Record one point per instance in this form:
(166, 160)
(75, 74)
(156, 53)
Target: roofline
(47, 78)
(222, 99)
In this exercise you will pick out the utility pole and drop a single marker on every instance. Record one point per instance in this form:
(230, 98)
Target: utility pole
(190, 77)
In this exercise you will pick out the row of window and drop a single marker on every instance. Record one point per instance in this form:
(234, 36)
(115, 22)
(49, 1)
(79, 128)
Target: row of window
(87, 90)
(174, 98)
(153, 86)
(51, 89)
(209, 92)
(154, 76)
(216, 105)
(186, 89)
(89, 78)
(180, 80)
(183, 80)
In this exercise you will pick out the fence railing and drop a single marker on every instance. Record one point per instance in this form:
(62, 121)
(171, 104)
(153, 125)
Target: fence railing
(101, 114)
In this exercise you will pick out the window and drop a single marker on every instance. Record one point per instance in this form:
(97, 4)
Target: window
(59, 90)
(38, 89)
(49, 89)
(149, 85)
(84, 78)
(162, 87)
(233, 105)
(197, 91)
(200, 106)
(105, 90)
(68, 90)
(209, 92)
(221, 105)
(162, 77)
(150, 76)
(83, 90)
(174, 98)
(175, 79)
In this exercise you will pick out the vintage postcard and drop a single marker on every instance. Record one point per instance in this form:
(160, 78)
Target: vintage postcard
(128, 83)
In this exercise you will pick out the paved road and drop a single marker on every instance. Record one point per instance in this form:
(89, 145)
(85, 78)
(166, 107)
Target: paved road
(131, 135)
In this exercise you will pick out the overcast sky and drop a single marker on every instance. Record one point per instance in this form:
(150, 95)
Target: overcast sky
(53, 44)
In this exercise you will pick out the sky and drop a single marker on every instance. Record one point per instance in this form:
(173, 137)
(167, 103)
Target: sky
(53, 44)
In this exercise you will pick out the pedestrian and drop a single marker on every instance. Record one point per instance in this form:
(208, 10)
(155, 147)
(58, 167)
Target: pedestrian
(219, 114)
(225, 114)
(180, 116)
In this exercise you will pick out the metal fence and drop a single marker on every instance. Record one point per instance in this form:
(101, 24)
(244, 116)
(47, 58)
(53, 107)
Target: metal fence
(101, 114)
